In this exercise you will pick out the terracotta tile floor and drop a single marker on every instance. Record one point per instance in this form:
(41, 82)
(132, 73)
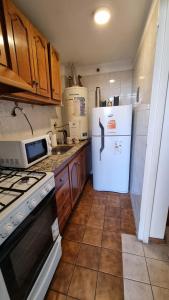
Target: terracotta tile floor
(91, 266)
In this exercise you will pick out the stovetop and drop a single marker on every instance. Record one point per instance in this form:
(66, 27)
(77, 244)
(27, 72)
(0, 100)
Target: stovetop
(14, 183)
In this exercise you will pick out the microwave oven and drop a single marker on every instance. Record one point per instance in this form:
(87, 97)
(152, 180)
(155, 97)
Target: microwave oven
(18, 153)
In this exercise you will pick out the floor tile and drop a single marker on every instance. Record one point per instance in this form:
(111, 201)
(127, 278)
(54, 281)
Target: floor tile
(111, 262)
(131, 245)
(74, 232)
(62, 277)
(111, 224)
(159, 272)
(52, 295)
(99, 201)
(125, 202)
(127, 214)
(80, 217)
(83, 284)
(128, 227)
(109, 287)
(160, 293)
(95, 222)
(111, 240)
(134, 290)
(134, 267)
(112, 211)
(92, 236)
(89, 257)
(157, 251)
(70, 251)
(113, 201)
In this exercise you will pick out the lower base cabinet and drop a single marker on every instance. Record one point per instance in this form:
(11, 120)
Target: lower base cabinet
(69, 184)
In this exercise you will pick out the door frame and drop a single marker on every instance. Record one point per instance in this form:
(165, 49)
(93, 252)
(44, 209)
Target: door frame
(157, 110)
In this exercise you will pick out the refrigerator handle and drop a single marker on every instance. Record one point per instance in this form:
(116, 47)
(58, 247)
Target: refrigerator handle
(102, 138)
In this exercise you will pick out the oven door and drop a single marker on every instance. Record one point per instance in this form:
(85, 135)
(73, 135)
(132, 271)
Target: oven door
(25, 252)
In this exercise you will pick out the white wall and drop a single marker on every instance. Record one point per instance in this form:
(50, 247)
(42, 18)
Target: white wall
(142, 77)
(121, 87)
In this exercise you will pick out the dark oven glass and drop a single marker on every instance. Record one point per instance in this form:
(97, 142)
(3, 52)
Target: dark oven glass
(35, 150)
(23, 254)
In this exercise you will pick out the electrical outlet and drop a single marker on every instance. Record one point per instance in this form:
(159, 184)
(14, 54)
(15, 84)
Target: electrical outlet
(53, 124)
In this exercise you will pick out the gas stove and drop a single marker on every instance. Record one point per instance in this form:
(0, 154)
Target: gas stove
(20, 192)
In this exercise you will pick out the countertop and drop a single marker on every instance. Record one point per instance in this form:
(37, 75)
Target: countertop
(54, 163)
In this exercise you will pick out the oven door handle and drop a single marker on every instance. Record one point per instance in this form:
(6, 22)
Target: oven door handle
(17, 235)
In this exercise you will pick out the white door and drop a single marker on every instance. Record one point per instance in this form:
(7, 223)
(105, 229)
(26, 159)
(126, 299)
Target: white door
(111, 161)
(115, 120)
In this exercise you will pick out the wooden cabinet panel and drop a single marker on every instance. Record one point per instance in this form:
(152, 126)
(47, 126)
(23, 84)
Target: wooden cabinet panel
(63, 201)
(3, 59)
(41, 65)
(61, 178)
(83, 168)
(19, 40)
(74, 173)
(55, 78)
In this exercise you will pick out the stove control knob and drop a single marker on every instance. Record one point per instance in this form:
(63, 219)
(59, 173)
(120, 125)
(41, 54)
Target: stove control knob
(18, 218)
(32, 204)
(43, 193)
(7, 229)
(48, 188)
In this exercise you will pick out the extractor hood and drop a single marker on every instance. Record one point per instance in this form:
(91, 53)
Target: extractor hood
(10, 82)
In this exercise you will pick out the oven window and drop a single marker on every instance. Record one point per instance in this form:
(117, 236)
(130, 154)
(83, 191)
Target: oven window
(22, 265)
(35, 150)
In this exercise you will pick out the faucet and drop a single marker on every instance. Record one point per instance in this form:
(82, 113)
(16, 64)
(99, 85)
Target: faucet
(64, 135)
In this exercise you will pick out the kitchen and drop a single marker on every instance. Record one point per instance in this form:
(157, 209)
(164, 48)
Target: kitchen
(78, 220)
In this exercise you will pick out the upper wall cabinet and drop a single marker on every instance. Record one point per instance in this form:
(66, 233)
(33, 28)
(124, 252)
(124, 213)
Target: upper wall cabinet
(40, 55)
(55, 78)
(3, 59)
(27, 62)
(19, 39)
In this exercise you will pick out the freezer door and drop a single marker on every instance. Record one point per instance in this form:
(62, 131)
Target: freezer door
(111, 165)
(116, 120)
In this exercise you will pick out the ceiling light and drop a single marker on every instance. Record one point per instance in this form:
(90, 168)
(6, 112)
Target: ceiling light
(111, 80)
(102, 16)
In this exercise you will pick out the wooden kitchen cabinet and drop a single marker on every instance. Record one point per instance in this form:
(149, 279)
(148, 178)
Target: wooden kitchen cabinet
(75, 179)
(69, 184)
(3, 58)
(41, 64)
(19, 40)
(63, 197)
(55, 78)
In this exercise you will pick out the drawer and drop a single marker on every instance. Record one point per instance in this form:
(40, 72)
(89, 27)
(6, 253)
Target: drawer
(61, 178)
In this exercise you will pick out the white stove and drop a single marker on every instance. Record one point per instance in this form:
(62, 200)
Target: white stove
(20, 192)
(30, 243)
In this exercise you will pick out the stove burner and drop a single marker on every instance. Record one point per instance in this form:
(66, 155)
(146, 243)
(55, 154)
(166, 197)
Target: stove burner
(14, 183)
(24, 179)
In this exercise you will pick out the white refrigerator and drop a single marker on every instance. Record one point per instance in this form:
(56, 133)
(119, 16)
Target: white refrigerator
(111, 139)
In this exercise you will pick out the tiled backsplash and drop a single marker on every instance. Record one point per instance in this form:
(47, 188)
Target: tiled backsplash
(122, 86)
(39, 117)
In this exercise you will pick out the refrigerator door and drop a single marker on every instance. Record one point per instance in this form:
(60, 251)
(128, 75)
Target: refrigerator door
(111, 163)
(115, 120)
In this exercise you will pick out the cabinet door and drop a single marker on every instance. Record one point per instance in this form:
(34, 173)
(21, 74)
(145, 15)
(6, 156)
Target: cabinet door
(55, 77)
(83, 167)
(40, 55)
(19, 40)
(3, 60)
(74, 173)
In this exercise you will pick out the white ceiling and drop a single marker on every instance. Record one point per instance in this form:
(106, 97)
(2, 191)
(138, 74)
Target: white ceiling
(69, 25)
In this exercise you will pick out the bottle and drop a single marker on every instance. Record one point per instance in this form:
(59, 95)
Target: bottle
(97, 97)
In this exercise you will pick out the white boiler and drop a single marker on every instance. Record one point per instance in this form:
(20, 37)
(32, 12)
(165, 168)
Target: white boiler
(76, 111)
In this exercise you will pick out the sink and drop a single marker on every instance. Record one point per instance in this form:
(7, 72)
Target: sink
(61, 149)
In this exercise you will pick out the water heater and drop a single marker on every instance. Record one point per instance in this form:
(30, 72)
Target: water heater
(76, 111)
